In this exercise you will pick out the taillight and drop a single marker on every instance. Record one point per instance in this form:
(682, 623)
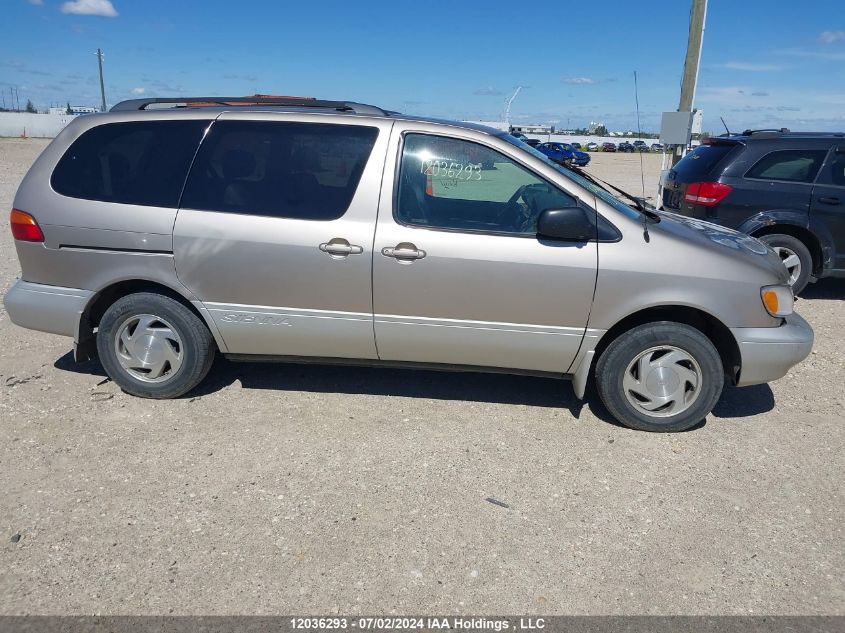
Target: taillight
(706, 193)
(24, 227)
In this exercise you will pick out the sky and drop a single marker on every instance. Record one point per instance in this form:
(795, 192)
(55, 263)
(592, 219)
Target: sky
(765, 63)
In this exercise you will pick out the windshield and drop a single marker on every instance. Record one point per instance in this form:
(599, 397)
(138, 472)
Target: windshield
(599, 192)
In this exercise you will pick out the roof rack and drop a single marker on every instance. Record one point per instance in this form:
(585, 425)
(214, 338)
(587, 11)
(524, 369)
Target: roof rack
(268, 100)
(783, 130)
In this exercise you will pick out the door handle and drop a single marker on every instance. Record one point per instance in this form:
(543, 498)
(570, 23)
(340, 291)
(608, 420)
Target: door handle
(403, 251)
(339, 247)
(829, 200)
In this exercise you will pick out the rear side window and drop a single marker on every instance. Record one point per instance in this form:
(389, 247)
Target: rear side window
(143, 162)
(794, 165)
(698, 163)
(307, 171)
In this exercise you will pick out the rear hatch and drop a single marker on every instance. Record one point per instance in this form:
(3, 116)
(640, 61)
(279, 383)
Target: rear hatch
(691, 187)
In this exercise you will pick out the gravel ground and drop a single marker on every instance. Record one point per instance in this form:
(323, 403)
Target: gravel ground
(297, 489)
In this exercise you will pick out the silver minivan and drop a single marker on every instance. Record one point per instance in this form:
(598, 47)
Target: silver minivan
(169, 230)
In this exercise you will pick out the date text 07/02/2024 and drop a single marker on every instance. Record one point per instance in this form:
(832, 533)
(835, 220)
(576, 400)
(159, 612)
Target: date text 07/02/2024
(410, 623)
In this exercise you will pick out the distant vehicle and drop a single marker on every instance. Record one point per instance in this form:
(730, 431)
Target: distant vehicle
(576, 146)
(787, 189)
(533, 142)
(564, 154)
(640, 146)
(657, 147)
(608, 147)
(592, 147)
(625, 146)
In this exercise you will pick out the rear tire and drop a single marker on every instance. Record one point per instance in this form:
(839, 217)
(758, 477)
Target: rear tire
(661, 377)
(796, 257)
(152, 346)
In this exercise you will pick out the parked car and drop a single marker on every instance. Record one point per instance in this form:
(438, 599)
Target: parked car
(564, 154)
(520, 136)
(592, 147)
(608, 147)
(640, 146)
(657, 147)
(625, 146)
(788, 189)
(533, 142)
(157, 237)
(576, 146)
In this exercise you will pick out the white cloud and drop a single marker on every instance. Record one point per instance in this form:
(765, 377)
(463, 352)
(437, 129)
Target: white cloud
(138, 91)
(829, 37)
(90, 7)
(489, 91)
(756, 68)
(580, 81)
(37, 3)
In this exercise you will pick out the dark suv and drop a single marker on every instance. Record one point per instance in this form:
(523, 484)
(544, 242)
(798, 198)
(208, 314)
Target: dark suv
(786, 188)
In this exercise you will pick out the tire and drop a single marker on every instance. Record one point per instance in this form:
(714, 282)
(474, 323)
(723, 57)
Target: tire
(168, 356)
(674, 354)
(790, 249)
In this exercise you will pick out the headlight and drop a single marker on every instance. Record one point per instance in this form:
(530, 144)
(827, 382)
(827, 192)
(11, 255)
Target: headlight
(778, 300)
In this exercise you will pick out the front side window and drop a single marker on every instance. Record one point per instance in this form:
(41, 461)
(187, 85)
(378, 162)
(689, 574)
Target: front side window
(454, 184)
(834, 173)
(142, 162)
(306, 171)
(794, 165)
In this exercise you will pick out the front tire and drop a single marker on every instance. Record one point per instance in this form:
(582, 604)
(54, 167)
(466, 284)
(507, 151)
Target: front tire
(661, 377)
(795, 256)
(152, 346)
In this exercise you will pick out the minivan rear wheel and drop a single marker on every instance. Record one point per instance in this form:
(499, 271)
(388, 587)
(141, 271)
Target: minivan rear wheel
(152, 346)
(795, 256)
(660, 377)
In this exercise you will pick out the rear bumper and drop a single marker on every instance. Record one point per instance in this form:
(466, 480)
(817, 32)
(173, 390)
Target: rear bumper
(768, 353)
(45, 308)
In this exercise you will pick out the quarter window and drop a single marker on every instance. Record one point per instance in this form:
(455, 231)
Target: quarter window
(143, 162)
(834, 173)
(454, 184)
(794, 165)
(306, 171)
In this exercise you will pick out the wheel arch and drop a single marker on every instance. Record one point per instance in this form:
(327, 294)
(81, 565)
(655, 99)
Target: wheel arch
(716, 331)
(106, 296)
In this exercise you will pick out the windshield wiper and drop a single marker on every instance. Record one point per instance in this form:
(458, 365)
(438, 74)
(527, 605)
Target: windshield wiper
(640, 203)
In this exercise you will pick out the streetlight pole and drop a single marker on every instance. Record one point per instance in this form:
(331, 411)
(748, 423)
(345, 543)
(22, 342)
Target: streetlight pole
(691, 62)
(102, 87)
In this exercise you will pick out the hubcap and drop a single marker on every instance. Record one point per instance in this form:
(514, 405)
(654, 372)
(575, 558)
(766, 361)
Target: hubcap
(148, 348)
(662, 381)
(791, 260)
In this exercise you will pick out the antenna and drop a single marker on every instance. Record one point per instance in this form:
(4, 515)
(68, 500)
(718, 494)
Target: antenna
(726, 126)
(639, 151)
(508, 106)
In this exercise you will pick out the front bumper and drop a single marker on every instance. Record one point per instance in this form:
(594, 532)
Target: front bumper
(768, 353)
(46, 308)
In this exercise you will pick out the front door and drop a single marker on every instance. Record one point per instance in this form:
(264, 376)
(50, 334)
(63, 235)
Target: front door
(827, 210)
(459, 275)
(275, 233)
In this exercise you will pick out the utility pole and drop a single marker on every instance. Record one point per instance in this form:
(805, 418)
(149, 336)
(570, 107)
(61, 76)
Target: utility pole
(692, 62)
(102, 87)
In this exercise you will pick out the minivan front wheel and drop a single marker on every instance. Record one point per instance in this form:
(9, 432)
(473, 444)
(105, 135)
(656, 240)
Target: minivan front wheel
(795, 256)
(661, 377)
(152, 346)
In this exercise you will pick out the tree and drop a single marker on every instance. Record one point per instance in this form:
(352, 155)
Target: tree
(600, 130)
(30, 108)
(68, 111)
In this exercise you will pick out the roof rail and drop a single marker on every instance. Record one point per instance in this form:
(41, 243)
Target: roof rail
(155, 103)
(783, 130)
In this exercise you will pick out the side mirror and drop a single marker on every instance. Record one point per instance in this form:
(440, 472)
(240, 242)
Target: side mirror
(570, 223)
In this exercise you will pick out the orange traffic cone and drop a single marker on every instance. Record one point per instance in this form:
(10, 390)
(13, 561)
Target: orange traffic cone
(24, 133)
(428, 188)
